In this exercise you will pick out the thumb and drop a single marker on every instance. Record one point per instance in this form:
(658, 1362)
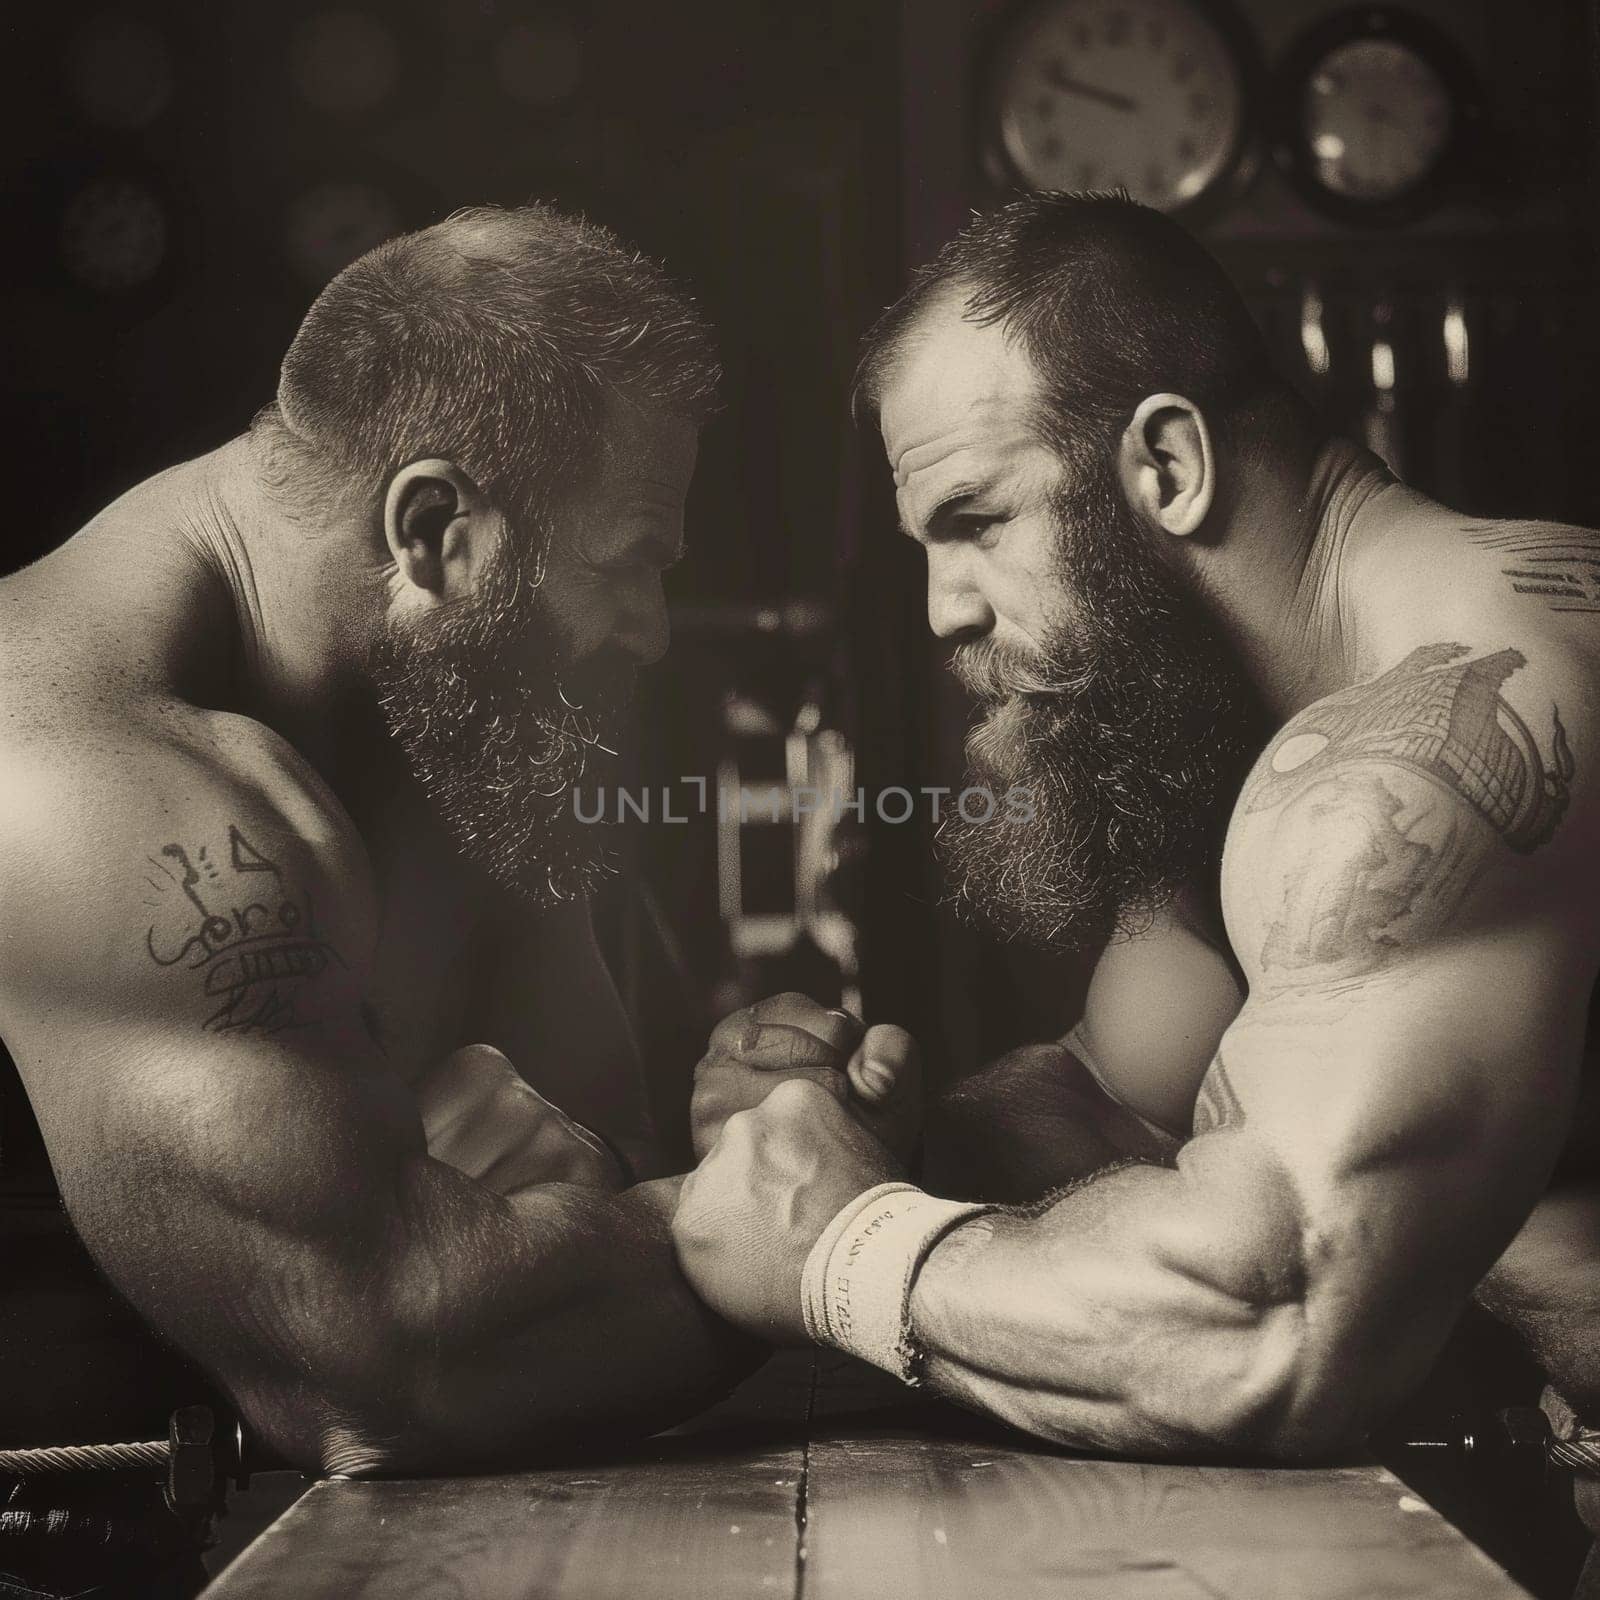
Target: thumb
(881, 1065)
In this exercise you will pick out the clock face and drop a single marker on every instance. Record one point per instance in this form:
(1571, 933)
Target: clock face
(1143, 95)
(1376, 119)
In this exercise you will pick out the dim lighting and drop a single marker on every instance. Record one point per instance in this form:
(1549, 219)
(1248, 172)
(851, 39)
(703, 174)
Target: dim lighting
(344, 61)
(120, 71)
(333, 223)
(114, 235)
(540, 63)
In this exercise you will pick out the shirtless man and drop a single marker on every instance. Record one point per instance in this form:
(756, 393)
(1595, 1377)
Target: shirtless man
(289, 875)
(1329, 1081)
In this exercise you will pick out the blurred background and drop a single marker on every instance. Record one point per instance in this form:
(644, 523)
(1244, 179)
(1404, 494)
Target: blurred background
(1404, 193)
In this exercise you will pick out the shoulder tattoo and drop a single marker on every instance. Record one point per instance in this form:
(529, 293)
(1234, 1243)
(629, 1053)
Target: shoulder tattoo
(231, 917)
(1444, 718)
(1384, 802)
(1557, 565)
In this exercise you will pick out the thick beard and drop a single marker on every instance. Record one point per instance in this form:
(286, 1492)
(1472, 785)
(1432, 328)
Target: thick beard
(1132, 730)
(500, 729)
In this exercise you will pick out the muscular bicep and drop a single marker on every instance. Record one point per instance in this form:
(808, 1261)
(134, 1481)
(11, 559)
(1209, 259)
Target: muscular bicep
(1410, 902)
(182, 986)
(1402, 890)
(168, 924)
(182, 969)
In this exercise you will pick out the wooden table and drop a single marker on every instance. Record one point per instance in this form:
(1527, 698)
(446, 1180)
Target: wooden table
(822, 1480)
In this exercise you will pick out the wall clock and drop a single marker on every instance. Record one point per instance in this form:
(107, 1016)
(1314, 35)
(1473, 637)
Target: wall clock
(1151, 96)
(1373, 107)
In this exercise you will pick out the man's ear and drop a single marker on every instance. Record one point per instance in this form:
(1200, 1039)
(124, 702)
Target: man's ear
(439, 528)
(1166, 463)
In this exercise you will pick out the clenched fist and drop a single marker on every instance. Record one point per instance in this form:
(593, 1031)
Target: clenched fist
(874, 1071)
(775, 1178)
(481, 1118)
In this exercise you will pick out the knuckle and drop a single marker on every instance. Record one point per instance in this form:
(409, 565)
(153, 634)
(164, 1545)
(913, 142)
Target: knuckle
(740, 1127)
(514, 1099)
(797, 1095)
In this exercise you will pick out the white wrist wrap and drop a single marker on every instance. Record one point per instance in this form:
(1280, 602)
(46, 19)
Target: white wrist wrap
(855, 1292)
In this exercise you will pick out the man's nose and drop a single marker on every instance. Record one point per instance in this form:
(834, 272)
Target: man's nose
(956, 606)
(644, 630)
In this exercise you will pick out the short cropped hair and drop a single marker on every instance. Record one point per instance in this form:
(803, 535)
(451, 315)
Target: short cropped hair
(490, 340)
(1112, 302)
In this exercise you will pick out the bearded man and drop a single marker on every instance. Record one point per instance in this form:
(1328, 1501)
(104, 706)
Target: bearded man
(1331, 1078)
(296, 963)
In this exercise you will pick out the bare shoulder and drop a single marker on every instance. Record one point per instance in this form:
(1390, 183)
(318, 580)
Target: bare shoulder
(1545, 570)
(1452, 792)
(169, 859)
(1531, 584)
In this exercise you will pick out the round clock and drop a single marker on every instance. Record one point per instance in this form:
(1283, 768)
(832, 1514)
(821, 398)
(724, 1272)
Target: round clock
(1144, 95)
(1374, 104)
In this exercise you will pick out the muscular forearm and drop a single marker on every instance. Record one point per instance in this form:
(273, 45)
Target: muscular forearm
(1151, 1311)
(509, 1330)
(1033, 1121)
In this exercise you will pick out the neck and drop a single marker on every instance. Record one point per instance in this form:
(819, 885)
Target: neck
(300, 592)
(1279, 582)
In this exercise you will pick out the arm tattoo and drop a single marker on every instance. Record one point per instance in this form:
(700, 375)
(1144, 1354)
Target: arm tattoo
(1384, 802)
(1444, 718)
(246, 933)
(1218, 1105)
(1557, 564)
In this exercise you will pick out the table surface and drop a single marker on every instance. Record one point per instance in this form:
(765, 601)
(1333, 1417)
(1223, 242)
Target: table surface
(822, 1480)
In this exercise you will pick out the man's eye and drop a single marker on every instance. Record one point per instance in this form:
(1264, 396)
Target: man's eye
(975, 524)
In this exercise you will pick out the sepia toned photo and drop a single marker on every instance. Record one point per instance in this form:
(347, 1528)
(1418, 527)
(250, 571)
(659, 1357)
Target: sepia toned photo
(801, 802)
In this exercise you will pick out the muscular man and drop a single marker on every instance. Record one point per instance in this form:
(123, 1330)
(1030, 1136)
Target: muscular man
(295, 954)
(1326, 757)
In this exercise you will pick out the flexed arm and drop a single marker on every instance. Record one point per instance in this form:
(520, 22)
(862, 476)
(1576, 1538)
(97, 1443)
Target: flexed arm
(252, 1173)
(1377, 1123)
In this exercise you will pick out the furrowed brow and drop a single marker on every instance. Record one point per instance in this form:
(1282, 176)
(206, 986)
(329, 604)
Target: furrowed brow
(948, 505)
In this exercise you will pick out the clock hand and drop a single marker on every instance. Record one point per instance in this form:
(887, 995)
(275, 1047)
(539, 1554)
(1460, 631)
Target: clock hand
(1089, 91)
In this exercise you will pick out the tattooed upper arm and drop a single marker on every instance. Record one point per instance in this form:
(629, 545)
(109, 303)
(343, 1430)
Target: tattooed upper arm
(242, 926)
(1399, 883)
(210, 912)
(1372, 816)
